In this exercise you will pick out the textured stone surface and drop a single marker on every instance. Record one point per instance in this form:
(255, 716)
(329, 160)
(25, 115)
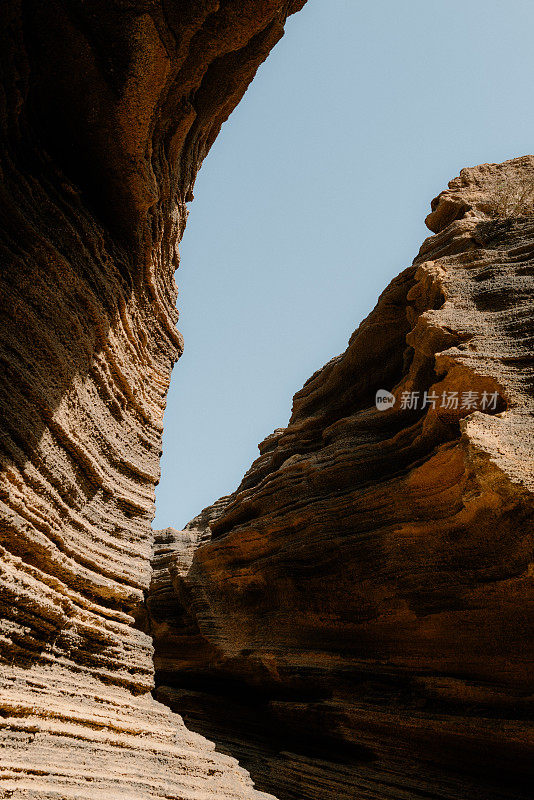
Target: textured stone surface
(106, 112)
(370, 581)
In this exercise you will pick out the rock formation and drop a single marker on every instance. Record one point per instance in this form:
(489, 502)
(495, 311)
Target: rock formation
(106, 112)
(355, 620)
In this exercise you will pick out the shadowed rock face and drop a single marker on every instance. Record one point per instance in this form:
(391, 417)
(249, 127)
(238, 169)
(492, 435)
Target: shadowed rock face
(106, 112)
(356, 619)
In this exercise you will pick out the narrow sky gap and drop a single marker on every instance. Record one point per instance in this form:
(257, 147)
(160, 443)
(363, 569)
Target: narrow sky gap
(314, 197)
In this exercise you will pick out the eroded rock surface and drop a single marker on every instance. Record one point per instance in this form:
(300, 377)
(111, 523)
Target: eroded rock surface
(355, 621)
(106, 112)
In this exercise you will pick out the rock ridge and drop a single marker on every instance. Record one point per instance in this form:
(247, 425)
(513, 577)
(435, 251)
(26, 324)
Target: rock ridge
(370, 580)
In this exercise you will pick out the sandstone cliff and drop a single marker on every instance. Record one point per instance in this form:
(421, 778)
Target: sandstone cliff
(355, 620)
(106, 112)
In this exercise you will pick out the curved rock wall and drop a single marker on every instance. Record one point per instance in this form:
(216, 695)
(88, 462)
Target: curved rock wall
(106, 112)
(370, 581)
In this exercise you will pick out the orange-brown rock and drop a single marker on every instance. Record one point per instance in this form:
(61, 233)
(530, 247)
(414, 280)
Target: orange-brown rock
(355, 620)
(106, 112)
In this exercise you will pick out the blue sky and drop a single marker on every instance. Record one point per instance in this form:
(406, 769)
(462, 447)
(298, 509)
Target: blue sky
(314, 197)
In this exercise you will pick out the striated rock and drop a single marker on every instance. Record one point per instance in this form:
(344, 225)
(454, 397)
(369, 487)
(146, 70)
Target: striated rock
(106, 112)
(356, 619)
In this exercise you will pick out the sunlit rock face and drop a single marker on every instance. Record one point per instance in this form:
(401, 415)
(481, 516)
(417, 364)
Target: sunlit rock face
(355, 621)
(106, 112)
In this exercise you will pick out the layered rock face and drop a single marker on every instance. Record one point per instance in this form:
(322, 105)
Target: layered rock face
(355, 621)
(106, 112)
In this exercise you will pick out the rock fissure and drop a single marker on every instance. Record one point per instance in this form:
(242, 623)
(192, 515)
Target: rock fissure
(354, 620)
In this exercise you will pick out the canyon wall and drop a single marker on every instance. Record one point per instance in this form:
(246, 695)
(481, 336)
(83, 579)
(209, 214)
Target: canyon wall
(355, 620)
(107, 110)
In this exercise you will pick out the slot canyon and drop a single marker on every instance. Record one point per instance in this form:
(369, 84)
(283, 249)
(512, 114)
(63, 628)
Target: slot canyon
(354, 621)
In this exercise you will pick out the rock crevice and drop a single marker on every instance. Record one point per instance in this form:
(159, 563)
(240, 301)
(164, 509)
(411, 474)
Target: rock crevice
(354, 620)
